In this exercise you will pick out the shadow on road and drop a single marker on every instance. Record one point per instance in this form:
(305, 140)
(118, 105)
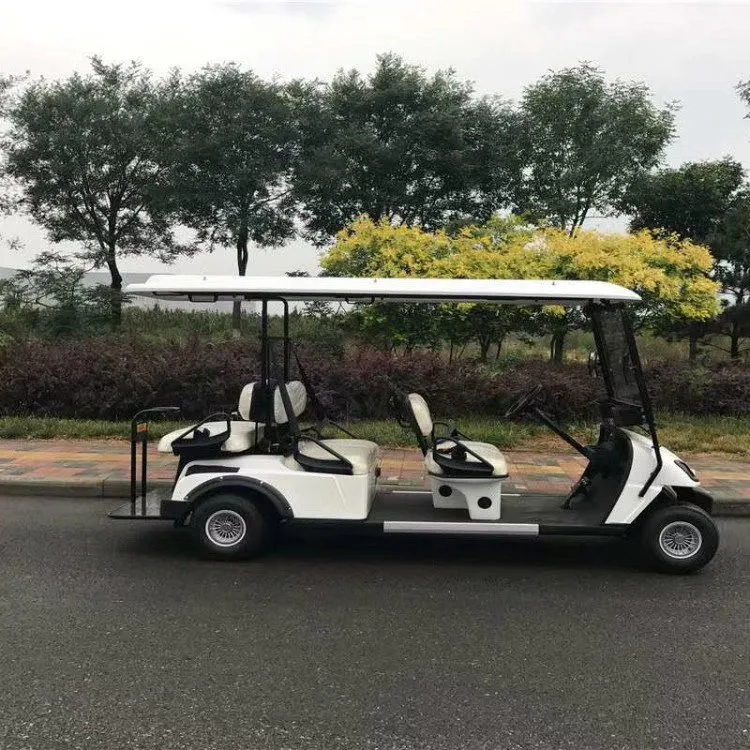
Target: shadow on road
(327, 548)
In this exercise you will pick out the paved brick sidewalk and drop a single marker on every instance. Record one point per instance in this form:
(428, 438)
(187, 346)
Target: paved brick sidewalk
(102, 468)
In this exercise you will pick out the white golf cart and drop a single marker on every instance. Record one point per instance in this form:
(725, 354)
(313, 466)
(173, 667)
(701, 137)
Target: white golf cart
(241, 475)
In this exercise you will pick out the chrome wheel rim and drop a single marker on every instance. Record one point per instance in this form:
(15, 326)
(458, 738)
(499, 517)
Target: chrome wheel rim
(680, 540)
(225, 528)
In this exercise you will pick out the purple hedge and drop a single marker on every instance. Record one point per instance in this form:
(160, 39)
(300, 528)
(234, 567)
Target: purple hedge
(111, 378)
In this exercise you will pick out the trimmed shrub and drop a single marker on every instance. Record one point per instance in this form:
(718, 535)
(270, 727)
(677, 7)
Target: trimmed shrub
(113, 377)
(109, 378)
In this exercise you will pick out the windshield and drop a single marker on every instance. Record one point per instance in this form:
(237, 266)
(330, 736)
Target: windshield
(615, 356)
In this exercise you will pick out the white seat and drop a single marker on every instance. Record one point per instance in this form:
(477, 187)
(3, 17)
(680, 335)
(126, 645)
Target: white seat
(241, 438)
(361, 454)
(489, 453)
(423, 423)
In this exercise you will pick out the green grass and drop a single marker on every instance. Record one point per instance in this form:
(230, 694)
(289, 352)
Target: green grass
(729, 435)
(94, 429)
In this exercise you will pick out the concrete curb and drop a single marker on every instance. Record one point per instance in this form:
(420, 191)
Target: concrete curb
(118, 489)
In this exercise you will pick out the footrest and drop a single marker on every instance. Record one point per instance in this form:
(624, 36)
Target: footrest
(151, 512)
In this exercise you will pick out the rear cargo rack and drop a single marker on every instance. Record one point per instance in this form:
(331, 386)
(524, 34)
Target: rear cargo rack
(143, 504)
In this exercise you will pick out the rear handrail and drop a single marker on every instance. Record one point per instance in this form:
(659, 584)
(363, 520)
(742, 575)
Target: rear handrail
(210, 418)
(139, 434)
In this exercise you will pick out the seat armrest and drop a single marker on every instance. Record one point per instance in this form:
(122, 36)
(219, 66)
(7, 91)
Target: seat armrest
(338, 464)
(451, 431)
(439, 455)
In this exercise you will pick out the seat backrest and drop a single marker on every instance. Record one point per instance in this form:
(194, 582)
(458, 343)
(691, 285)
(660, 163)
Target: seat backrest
(246, 401)
(297, 397)
(421, 420)
(421, 413)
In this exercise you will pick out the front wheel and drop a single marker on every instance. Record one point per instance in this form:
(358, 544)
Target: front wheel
(231, 527)
(679, 538)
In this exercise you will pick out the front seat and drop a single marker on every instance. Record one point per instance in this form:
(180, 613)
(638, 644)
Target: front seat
(452, 455)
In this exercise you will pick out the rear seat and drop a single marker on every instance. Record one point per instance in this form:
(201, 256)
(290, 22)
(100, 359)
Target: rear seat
(244, 432)
(361, 454)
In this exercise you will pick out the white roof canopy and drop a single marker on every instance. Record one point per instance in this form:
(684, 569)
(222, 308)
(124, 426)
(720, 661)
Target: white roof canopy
(499, 291)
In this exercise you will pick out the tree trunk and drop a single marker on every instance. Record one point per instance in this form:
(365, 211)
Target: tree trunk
(734, 347)
(499, 347)
(242, 259)
(557, 346)
(450, 352)
(115, 297)
(484, 347)
(692, 347)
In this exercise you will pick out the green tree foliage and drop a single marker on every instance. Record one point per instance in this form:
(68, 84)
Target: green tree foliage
(701, 201)
(85, 153)
(6, 201)
(731, 245)
(583, 142)
(232, 153)
(51, 299)
(743, 88)
(690, 201)
(6, 82)
(401, 145)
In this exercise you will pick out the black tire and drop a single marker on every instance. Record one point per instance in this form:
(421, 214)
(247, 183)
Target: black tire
(228, 526)
(679, 538)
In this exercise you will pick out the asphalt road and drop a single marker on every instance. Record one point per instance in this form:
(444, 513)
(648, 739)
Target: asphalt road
(113, 635)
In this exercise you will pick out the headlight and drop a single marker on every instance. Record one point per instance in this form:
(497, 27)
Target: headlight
(687, 470)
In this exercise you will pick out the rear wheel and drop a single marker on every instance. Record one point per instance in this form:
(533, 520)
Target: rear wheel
(679, 538)
(231, 527)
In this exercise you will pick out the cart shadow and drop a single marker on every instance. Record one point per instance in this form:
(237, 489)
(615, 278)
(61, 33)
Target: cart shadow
(380, 551)
(337, 549)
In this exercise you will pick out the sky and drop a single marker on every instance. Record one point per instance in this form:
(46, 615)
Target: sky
(691, 52)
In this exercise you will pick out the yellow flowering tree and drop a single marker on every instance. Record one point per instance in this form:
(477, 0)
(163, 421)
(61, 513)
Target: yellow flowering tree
(368, 248)
(670, 274)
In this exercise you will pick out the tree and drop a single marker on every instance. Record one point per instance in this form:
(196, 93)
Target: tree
(732, 247)
(6, 85)
(367, 248)
(85, 152)
(233, 149)
(692, 201)
(6, 82)
(743, 88)
(583, 142)
(669, 273)
(401, 145)
(52, 296)
(731, 243)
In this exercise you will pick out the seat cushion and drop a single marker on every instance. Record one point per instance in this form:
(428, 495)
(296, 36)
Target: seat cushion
(362, 454)
(488, 452)
(241, 438)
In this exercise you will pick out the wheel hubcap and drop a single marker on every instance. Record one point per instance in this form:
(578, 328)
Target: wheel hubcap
(225, 528)
(680, 540)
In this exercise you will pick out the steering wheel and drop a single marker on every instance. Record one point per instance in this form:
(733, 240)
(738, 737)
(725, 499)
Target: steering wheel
(523, 402)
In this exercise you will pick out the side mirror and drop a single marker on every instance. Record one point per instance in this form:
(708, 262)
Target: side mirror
(594, 365)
